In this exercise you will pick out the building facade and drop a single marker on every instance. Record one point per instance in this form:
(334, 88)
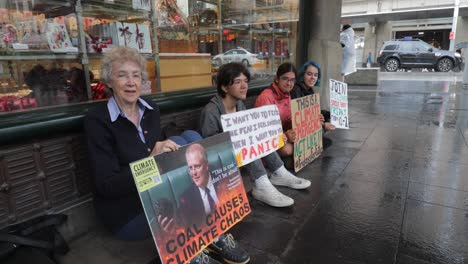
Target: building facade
(376, 21)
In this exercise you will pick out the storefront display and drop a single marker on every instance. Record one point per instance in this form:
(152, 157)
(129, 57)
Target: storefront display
(42, 56)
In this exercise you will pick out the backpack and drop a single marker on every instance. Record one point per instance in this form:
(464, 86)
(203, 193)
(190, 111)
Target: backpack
(33, 241)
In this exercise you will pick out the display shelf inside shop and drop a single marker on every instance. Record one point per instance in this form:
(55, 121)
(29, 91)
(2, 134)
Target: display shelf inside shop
(112, 4)
(206, 28)
(50, 8)
(272, 31)
(36, 55)
(148, 56)
(213, 2)
(43, 2)
(119, 10)
(270, 8)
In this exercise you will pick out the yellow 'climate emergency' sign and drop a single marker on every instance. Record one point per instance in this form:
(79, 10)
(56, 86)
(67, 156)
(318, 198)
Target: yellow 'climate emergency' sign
(146, 173)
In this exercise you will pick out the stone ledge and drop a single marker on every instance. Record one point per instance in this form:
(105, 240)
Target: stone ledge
(363, 76)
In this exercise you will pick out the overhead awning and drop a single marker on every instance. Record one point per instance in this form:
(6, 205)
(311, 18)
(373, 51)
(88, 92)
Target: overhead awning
(397, 15)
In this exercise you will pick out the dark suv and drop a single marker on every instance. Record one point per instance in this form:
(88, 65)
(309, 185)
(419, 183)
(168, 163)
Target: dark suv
(415, 53)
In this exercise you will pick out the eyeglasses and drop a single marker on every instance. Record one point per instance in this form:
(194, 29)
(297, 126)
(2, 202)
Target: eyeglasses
(125, 75)
(287, 80)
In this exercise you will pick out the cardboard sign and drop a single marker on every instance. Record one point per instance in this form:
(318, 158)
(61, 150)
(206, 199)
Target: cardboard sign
(255, 133)
(305, 115)
(339, 104)
(174, 188)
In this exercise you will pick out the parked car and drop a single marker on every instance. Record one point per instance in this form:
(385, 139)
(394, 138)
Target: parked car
(236, 55)
(415, 53)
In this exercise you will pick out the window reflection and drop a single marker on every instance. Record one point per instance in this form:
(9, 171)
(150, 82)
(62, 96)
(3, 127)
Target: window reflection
(259, 34)
(43, 62)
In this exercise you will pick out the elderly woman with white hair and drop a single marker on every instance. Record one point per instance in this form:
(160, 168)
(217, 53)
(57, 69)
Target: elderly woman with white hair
(124, 130)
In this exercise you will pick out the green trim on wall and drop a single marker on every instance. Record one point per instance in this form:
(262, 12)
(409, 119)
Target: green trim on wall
(28, 125)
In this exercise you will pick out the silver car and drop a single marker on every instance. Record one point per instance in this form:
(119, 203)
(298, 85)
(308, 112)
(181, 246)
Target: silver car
(235, 55)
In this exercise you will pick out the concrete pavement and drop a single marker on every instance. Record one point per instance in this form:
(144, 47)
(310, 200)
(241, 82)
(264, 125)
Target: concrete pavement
(392, 189)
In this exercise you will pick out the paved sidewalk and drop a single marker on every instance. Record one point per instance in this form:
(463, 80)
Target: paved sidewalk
(392, 189)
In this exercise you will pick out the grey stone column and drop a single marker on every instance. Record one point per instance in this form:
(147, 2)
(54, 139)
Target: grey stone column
(462, 36)
(383, 32)
(462, 33)
(319, 40)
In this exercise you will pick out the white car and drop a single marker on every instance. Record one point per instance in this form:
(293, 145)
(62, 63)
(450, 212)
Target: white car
(236, 55)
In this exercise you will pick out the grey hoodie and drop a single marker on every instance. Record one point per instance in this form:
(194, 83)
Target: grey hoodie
(210, 124)
(210, 118)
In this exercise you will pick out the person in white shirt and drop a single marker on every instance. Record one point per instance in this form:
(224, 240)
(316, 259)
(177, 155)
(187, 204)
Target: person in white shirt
(348, 64)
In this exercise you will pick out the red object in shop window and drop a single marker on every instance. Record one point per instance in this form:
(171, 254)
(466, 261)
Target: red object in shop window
(259, 47)
(2, 105)
(28, 103)
(285, 48)
(266, 47)
(10, 103)
(16, 104)
(277, 47)
(99, 91)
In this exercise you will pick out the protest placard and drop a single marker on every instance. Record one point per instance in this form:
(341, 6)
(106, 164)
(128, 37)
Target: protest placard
(255, 133)
(305, 113)
(339, 104)
(191, 196)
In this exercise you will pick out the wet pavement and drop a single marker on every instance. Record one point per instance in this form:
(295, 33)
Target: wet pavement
(392, 189)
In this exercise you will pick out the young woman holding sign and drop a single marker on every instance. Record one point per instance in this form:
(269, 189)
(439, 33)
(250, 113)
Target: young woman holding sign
(278, 94)
(309, 77)
(282, 90)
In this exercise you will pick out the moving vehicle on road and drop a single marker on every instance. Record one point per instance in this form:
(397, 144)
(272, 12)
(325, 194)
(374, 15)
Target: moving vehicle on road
(415, 53)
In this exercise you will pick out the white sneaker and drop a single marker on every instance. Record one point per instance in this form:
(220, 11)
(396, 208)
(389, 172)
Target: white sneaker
(282, 177)
(264, 191)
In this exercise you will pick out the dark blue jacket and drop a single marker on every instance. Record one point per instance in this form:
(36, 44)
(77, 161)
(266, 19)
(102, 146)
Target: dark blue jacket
(111, 147)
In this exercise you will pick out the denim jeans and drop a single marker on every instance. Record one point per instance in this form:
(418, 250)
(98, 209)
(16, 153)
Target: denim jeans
(256, 168)
(187, 137)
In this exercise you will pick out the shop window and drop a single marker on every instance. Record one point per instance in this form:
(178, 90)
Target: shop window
(259, 34)
(50, 51)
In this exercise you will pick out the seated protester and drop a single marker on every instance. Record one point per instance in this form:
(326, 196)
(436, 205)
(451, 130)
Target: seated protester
(309, 76)
(232, 85)
(124, 130)
(278, 94)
